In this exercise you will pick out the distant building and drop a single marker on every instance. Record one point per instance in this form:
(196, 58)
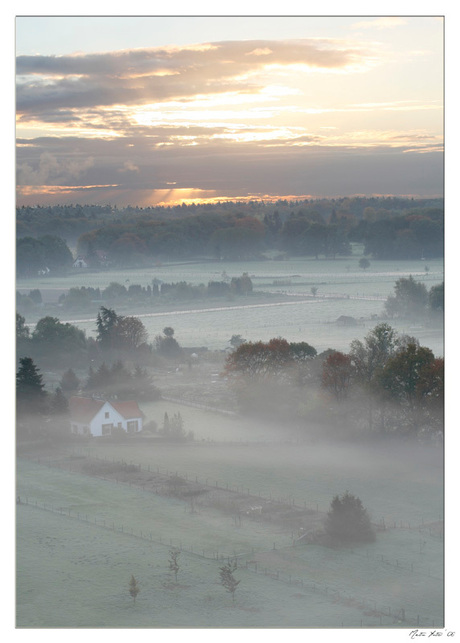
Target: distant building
(89, 416)
(80, 263)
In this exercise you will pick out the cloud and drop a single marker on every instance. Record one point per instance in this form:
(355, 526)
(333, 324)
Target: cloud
(50, 168)
(139, 76)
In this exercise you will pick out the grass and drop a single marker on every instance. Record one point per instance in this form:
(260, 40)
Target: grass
(74, 570)
(76, 575)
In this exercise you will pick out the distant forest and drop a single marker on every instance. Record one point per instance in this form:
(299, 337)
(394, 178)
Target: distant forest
(106, 236)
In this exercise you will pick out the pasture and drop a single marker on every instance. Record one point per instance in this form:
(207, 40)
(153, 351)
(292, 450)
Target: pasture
(84, 537)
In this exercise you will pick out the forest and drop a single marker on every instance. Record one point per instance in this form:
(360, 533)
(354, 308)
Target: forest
(388, 228)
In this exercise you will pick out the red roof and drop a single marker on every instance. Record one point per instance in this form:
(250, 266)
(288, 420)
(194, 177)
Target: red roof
(83, 409)
(128, 410)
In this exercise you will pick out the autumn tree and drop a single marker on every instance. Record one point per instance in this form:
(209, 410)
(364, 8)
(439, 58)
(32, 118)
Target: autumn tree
(410, 378)
(119, 332)
(337, 374)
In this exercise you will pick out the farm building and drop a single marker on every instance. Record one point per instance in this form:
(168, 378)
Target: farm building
(89, 416)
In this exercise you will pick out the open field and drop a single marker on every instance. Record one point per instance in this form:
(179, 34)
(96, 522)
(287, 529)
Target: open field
(286, 310)
(86, 570)
(70, 537)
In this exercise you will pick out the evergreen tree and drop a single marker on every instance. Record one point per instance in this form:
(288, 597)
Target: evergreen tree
(347, 521)
(69, 382)
(30, 393)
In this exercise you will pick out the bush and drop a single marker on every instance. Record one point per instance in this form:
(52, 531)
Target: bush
(348, 522)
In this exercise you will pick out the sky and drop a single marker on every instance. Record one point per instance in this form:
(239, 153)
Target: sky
(162, 110)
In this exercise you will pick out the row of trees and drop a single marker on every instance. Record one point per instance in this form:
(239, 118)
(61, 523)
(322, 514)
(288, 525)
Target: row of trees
(386, 383)
(401, 229)
(59, 343)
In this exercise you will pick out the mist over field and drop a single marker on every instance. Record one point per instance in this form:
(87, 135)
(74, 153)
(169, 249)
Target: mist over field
(230, 324)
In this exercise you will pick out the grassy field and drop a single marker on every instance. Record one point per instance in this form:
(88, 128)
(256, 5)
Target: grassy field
(74, 561)
(73, 574)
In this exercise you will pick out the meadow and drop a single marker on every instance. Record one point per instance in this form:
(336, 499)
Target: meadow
(81, 538)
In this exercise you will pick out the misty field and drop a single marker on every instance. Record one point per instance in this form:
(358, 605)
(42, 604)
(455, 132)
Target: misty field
(83, 537)
(81, 534)
(342, 289)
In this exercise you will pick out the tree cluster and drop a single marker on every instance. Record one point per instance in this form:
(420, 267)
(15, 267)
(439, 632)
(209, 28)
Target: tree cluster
(386, 384)
(47, 254)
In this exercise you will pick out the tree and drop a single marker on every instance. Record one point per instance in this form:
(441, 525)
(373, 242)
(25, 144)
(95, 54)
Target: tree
(134, 588)
(30, 393)
(59, 403)
(52, 335)
(106, 322)
(347, 521)
(436, 297)
(260, 359)
(236, 340)
(337, 374)
(22, 330)
(70, 382)
(174, 562)
(167, 345)
(410, 299)
(364, 263)
(227, 579)
(406, 380)
(130, 333)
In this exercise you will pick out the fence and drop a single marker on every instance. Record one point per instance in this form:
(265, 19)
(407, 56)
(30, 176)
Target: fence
(386, 616)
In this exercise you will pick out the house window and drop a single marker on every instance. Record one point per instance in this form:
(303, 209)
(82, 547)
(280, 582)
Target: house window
(107, 414)
(107, 429)
(132, 426)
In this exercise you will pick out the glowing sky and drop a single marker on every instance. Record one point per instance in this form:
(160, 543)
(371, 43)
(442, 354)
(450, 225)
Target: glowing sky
(141, 111)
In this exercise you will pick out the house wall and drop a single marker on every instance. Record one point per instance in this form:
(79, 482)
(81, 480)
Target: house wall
(99, 420)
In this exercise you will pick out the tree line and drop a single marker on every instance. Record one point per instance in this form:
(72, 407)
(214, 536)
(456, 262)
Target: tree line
(388, 228)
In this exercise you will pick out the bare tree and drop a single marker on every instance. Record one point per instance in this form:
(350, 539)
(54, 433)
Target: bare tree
(174, 562)
(134, 588)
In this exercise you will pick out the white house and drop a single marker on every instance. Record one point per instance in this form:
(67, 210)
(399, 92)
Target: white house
(80, 262)
(98, 417)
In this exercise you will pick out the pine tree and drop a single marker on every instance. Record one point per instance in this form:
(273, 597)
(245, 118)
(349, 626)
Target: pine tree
(30, 393)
